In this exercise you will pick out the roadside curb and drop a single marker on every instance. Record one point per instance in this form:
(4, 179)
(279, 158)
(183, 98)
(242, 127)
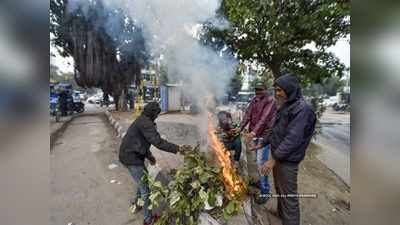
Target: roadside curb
(116, 125)
(154, 171)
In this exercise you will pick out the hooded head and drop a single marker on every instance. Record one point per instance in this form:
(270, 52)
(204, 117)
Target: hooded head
(152, 110)
(289, 83)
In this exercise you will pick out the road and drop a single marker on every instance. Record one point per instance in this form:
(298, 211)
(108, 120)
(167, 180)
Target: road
(81, 182)
(334, 142)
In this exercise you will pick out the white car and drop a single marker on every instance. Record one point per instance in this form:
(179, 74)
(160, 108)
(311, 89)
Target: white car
(330, 101)
(95, 99)
(83, 96)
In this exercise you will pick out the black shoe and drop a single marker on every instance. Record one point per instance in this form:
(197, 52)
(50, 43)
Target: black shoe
(255, 183)
(261, 200)
(153, 220)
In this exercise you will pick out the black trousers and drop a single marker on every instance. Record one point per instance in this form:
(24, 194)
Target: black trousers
(285, 180)
(236, 146)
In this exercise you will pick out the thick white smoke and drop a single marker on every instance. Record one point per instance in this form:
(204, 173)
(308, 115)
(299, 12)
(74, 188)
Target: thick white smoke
(170, 28)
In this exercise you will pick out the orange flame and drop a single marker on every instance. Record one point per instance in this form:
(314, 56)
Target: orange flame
(232, 181)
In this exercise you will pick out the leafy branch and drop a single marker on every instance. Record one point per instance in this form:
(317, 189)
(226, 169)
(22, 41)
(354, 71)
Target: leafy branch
(195, 187)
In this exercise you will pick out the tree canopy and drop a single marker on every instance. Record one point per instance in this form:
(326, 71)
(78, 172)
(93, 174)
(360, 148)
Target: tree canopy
(291, 35)
(107, 48)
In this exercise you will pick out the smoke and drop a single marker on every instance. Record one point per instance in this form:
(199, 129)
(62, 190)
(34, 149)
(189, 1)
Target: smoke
(172, 30)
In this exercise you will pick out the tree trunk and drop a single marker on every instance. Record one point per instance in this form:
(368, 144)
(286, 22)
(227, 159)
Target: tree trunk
(122, 102)
(276, 70)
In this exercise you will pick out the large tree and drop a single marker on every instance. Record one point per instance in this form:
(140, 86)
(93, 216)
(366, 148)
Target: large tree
(291, 35)
(107, 48)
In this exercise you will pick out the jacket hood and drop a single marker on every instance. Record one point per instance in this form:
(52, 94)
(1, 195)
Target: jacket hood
(290, 84)
(151, 110)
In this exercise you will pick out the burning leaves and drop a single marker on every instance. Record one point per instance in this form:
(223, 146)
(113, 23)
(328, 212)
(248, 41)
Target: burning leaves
(206, 182)
(234, 185)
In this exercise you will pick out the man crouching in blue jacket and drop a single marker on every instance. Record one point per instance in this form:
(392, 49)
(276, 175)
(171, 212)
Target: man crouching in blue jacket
(291, 134)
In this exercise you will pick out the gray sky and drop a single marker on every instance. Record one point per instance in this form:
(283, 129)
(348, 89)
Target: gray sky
(341, 50)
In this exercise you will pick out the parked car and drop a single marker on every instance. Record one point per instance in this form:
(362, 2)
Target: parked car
(329, 102)
(95, 99)
(83, 96)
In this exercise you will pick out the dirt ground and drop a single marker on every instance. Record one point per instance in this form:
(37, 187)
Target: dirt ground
(332, 204)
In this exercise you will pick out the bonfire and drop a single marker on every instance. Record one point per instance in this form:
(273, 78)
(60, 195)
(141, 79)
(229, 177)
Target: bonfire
(234, 184)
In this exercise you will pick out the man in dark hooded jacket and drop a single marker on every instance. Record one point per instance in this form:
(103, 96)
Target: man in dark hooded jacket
(135, 148)
(291, 134)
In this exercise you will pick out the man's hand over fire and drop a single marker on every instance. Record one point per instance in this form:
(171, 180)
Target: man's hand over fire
(254, 147)
(249, 137)
(252, 135)
(235, 131)
(267, 167)
(218, 130)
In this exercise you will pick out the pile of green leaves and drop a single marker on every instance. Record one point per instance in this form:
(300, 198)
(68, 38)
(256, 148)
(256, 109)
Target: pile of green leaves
(192, 185)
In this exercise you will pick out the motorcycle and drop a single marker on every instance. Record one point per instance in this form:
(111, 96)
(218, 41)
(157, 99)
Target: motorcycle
(78, 107)
(77, 104)
(341, 107)
(55, 108)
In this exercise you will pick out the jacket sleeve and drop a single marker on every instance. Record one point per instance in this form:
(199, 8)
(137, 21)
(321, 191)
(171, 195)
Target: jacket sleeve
(267, 118)
(246, 117)
(151, 134)
(295, 136)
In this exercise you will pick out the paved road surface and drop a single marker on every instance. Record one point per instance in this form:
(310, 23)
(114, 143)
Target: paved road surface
(81, 192)
(335, 143)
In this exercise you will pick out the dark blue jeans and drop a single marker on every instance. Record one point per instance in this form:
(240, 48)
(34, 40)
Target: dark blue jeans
(236, 146)
(262, 156)
(143, 191)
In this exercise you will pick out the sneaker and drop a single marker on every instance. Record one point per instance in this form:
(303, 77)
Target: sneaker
(151, 223)
(261, 200)
(134, 207)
